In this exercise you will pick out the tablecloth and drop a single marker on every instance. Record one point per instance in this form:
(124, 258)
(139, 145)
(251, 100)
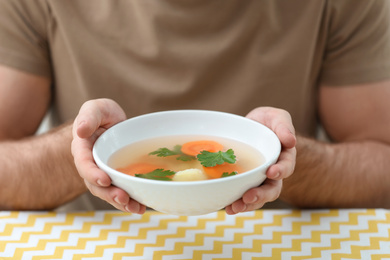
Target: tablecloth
(260, 234)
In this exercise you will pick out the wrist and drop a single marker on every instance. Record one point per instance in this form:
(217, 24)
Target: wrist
(39, 171)
(300, 189)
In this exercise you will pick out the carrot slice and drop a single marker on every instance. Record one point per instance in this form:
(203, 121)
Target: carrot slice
(195, 147)
(139, 168)
(217, 171)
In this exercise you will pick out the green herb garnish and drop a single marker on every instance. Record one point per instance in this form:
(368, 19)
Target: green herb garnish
(158, 174)
(164, 152)
(209, 159)
(226, 174)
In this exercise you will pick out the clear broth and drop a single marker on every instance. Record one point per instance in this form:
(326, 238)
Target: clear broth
(247, 157)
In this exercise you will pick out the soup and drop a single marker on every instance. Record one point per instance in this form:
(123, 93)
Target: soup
(186, 158)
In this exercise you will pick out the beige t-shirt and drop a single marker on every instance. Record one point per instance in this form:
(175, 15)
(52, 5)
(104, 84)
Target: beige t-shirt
(225, 55)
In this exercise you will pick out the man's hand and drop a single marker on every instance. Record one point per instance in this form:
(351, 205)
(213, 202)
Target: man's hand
(94, 118)
(280, 122)
(352, 170)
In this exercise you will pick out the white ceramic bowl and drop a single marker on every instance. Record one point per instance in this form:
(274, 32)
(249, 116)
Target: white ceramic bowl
(187, 198)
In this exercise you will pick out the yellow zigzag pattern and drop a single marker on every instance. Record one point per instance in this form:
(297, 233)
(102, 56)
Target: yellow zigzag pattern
(160, 242)
(125, 225)
(239, 237)
(142, 234)
(46, 230)
(221, 231)
(276, 238)
(354, 236)
(278, 235)
(152, 238)
(199, 238)
(59, 251)
(296, 230)
(8, 230)
(218, 245)
(10, 215)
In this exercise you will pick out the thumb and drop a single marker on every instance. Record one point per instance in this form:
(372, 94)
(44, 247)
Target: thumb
(95, 114)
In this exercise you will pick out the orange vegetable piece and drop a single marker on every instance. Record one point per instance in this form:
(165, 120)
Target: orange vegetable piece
(217, 170)
(139, 168)
(195, 147)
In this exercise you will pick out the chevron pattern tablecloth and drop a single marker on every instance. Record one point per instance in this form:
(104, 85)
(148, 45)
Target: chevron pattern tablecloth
(262, 234)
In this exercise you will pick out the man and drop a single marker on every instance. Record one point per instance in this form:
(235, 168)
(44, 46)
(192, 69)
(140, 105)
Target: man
(326, 60)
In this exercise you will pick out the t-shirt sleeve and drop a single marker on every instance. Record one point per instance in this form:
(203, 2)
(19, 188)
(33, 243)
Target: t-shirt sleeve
(23, 36)
(358, 46)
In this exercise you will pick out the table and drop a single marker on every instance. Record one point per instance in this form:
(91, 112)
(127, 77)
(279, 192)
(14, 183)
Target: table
(261, 234)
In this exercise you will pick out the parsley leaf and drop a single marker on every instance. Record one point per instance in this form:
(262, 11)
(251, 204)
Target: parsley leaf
(226, 174)
(158, 174)
(209, 159)
(164, 152)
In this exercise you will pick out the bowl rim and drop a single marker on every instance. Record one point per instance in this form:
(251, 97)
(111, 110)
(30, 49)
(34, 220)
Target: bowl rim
(108, 170)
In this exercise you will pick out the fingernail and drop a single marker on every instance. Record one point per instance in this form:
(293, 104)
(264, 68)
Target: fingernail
(238, 209)
(81, 123)
(276, 175)
(117, 200)
(253, 200)
(99, 182)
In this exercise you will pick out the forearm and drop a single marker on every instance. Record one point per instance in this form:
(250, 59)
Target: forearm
(38, 172)
(353, 174)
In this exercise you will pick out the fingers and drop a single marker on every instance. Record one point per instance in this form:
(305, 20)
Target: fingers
(118, 198)
(285, 165)
(256, 198)
(280, 122)
(85, 164)
(286, 135)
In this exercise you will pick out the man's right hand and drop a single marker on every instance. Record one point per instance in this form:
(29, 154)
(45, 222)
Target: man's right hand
(94, 118)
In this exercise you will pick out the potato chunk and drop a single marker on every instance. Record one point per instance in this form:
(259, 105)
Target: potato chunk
(190, 175)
